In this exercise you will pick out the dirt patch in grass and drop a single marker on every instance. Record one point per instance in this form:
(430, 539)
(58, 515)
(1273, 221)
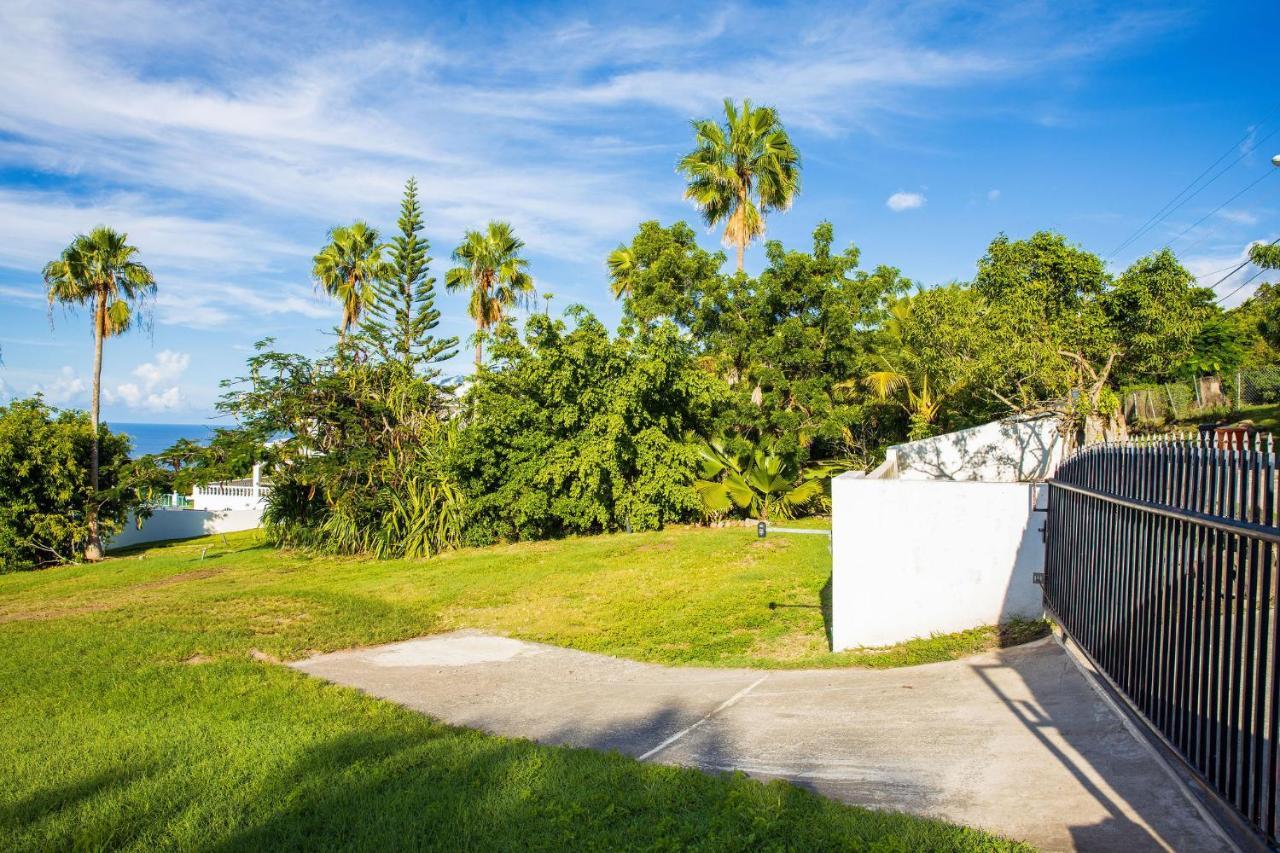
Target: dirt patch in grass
(195, 575)
(61, 613)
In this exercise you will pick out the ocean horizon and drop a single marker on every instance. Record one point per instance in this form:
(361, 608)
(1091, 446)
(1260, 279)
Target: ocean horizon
(153, 438)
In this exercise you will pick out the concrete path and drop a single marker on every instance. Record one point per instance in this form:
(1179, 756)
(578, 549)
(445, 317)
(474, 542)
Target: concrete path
(1016, 742)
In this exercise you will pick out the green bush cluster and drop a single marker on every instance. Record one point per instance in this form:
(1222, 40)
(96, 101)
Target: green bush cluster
(44, 484)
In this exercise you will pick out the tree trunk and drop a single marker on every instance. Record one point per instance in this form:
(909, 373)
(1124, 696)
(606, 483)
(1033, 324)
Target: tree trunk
(93, 550)
(742, 249)
(479, 344)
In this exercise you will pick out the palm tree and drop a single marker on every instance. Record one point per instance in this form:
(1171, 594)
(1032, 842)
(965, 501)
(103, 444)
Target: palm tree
(98, 269)
(923, 388)
(491, 268)
(349, 267)
(622, 271)
(741, 171)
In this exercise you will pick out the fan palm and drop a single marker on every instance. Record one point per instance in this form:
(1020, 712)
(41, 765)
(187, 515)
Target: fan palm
(740, 171)
(491, 268)
(349, 268)
(758, 479)
(622, 271)
(100, 270)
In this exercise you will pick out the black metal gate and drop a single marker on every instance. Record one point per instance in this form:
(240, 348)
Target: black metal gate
(1161, 565)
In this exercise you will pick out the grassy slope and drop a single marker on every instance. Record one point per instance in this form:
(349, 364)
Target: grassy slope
(134, 714)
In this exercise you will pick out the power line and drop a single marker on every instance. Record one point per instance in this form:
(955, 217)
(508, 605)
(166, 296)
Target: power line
(1197, 223)
(1178, 200)
(1238, 289)
(1237, 269)
(1206, 235)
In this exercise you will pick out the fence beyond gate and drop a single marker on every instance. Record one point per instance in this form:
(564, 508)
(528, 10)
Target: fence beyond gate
(1161, 563)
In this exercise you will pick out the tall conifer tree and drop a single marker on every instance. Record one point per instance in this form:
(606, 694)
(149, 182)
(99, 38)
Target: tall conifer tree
(403, 313)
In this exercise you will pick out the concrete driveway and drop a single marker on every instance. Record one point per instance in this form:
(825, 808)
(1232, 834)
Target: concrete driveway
(1016, 742)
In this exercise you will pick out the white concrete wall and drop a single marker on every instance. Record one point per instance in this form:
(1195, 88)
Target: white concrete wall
(167, 524)
(1008, 451)
(912, 558)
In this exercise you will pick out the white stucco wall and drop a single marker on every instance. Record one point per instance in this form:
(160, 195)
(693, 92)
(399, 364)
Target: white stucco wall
(912, 558)
(1008, 451)
(167, 524)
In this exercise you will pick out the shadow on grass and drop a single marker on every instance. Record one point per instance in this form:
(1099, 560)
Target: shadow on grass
(462, 790)
(47, 801)
(824, 604)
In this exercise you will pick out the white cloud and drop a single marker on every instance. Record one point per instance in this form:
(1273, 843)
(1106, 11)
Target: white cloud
(901, 201)
(167, 367)
(66, 387)
(993, 195)
(157, 389)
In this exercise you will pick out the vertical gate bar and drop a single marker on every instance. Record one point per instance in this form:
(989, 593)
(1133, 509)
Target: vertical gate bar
(1237, 638)
(1251, 512)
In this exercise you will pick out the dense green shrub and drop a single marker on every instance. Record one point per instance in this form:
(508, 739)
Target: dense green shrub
(574, 431)
(44, 484)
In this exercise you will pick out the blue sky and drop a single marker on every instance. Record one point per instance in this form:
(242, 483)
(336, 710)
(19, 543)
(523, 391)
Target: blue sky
(226, 139)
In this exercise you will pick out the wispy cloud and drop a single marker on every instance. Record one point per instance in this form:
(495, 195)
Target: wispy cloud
(225, 140)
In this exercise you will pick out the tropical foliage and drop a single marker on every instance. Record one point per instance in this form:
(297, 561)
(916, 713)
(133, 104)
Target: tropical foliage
(46, 490)
(100, 271)
(740, 171)
(720, 393)
(494, 273)
(350, 267)
(756, 478)
(576, 431)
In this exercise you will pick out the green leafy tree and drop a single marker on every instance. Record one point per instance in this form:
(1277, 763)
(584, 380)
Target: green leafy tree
(50, 507)
(1157, 314)
(1266, 255)
(349, 269)
(757, 478)
(740, 171)
(664, 273)
(1255, 326)
(783, 341)
(494, 273)
(99, 270)
(402, 315)
(359, 460)
(574, 431)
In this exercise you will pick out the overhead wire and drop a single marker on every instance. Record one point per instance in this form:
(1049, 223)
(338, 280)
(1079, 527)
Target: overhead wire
(1178, 200)
(1237, 269)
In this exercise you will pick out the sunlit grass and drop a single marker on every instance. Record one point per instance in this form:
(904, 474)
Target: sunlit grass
(140, 708)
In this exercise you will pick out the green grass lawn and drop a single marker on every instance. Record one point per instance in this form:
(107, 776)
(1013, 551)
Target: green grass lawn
(141, 708)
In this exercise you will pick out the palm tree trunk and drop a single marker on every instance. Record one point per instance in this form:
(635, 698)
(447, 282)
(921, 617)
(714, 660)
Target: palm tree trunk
(479, 343)
(742, 248)
(93, 550)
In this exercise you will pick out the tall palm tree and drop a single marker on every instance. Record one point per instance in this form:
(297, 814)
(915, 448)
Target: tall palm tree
(622, 271)
(99, 270)
(491, 268)
(740, 171)
(349, 267)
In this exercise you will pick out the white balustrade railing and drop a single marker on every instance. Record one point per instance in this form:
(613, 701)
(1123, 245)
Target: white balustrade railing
(216, 490)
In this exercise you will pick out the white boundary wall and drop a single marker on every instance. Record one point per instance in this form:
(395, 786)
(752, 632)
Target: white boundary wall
(165, 524)
(912, 558)
(1007, 451)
